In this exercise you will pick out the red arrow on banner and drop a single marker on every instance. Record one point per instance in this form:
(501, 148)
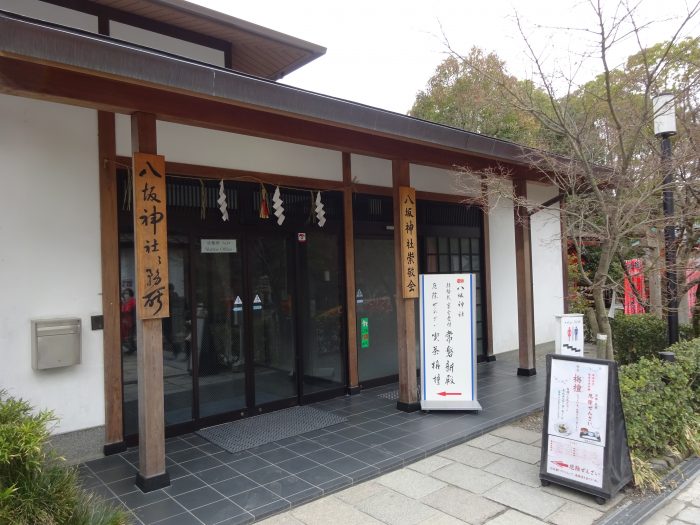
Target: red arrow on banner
(560, 464)
(443, 394)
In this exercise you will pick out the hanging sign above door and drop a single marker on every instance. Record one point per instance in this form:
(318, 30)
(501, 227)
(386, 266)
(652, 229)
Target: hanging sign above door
(409, 242)
(150, 236)
(448, 342)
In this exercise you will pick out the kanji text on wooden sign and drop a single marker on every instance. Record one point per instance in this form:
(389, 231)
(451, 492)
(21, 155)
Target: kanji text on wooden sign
(409, 242)
(150, 236)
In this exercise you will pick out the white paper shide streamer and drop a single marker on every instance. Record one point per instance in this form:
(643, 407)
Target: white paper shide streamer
(223, 205)
(320, 213)
(277, 206)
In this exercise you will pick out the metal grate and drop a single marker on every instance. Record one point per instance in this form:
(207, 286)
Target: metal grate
(259, 430)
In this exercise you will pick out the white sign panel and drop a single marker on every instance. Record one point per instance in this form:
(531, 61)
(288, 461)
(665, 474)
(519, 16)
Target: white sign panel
(582, 462)
(570, 335)
(219, 246)
(578, 401)
(448, 341)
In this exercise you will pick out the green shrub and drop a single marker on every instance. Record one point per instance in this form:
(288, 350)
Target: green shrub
(658, 402)
(637, 336)
(36, 488)
(688, 357)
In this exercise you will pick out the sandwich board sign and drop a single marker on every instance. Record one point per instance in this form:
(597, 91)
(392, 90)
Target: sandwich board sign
(584, 438)
(448, 341)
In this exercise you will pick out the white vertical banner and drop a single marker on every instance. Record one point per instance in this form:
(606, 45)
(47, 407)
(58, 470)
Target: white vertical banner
(448, 342)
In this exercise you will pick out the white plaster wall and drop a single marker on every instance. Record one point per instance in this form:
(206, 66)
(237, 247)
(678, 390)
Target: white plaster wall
(51, 13)
(504, 290)
(547, 276)
(370, 170)
(50, 255)
(166, 43)
(207, 147)
(437, 180)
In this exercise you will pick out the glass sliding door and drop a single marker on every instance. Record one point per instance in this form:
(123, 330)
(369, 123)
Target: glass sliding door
(272, 313)
(220, 328)
(323, 345)
(177, 376)
(376, 308)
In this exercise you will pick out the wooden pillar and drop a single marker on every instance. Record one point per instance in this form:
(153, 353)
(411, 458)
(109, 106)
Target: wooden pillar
(349, 233)
(109, 248)
(405, 308)
(488, 302)
(149, 355)
(523, 268)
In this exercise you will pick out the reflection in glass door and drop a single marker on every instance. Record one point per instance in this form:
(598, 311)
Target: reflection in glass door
(177, 379)
(375, 278)
(220, 359)
(274, 360)
(322, 350)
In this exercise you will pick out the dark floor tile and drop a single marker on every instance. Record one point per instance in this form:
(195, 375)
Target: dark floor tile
(363, 474)
(181, 519)
(195, 440)
(374, 439)
(229, 457)
(176, 445)
(210, 448)
(198, 498)
(297, 464)
(328, 440)
(349, 447)
(216, 474)
(303, 447)
(346, 465)
(123, 471)
(248, 464)
(352, 432)
(234, 486)
(290, 440)
(219, 511)
(200, 464)
(102, 491)
(184, 484)
(176, 471)
(87, 479)
(256, 498)
(334, 485)
(304, 496)
(158, 511)
(244, 518)
(272, 508)
(267, 474)
(136, 499)
(372, 426)
(278, 454)
(324, 455)
(372, 456)
(318, 475)
(123, 486)
(263, 448)
(314, 433)
(106, 463)
(285, 487)
(185, 455)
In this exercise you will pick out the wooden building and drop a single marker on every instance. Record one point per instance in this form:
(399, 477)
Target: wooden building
(262, 315)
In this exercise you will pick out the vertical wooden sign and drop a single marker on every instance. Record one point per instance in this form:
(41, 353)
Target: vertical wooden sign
(150, 236)
(409, 242)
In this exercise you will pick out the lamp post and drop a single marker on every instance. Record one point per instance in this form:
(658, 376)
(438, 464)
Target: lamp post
(665, 128)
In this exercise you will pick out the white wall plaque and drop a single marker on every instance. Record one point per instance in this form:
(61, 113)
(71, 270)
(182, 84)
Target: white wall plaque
(569, 336)
(582, 462)
(448, 342)
(219, 246)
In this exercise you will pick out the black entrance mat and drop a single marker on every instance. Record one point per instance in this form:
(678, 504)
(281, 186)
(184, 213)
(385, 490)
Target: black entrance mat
(259, 430)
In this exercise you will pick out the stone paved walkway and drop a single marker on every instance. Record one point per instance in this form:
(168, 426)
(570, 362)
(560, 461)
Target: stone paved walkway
(492, 479)
(683, 509)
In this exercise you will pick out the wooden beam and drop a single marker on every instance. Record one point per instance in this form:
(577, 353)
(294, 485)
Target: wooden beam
(349, 237)
(109, 249)
(523, 269)
(149, 355)
(45, 82)
(405, 308)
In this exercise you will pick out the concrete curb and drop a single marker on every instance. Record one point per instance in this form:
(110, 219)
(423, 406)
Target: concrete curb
(634, 513)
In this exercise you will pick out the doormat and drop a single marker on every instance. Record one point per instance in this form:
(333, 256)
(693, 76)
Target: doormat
(259, 430)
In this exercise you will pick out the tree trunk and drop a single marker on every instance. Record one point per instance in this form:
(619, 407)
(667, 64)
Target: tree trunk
(592, 322)
(599, 280)
(696, 313)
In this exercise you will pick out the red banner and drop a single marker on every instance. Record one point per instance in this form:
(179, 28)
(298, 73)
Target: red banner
(635, 271)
